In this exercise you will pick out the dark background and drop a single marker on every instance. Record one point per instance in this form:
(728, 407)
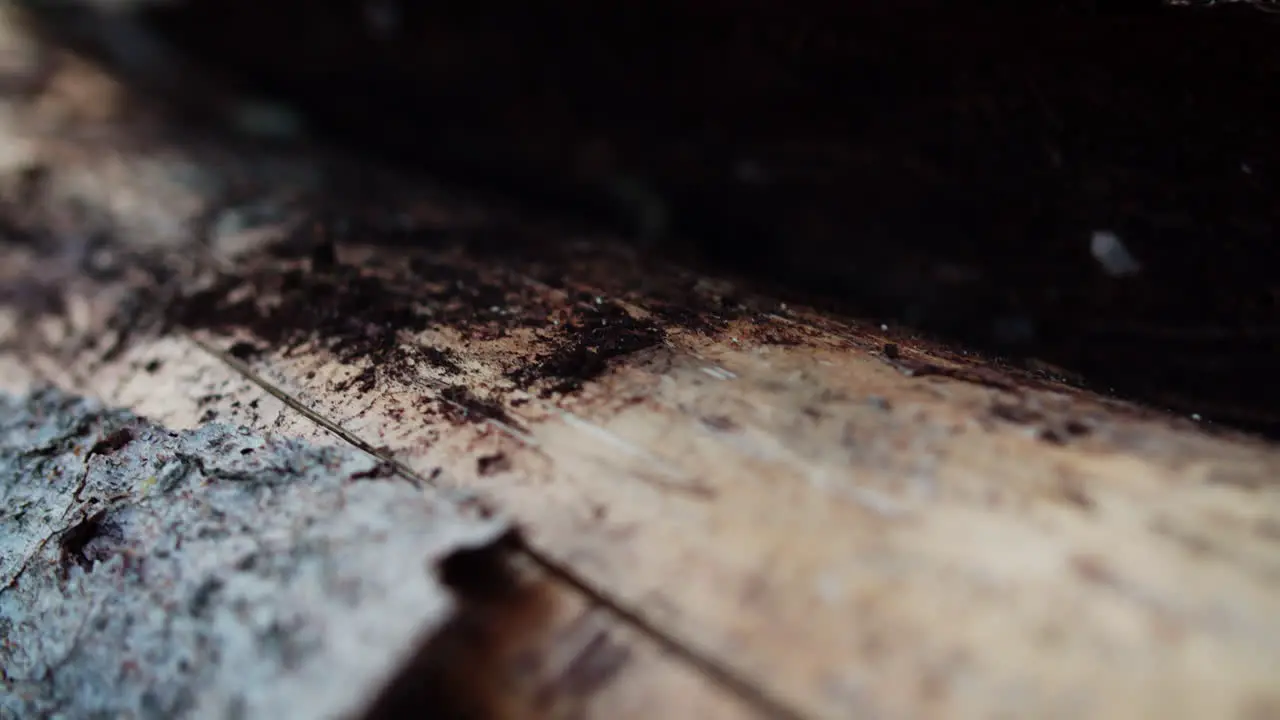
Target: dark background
(941, 164)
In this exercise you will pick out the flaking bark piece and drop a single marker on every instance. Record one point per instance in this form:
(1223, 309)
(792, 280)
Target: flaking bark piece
(206, 573)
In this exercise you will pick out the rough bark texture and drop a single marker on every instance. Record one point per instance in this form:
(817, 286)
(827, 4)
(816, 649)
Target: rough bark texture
(207, 573)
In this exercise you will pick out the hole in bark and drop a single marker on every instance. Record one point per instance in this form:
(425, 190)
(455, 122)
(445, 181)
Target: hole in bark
(86, 542)
(478, 665)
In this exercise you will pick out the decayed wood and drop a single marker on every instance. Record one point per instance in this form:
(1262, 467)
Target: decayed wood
(817, 517)
(853, 539)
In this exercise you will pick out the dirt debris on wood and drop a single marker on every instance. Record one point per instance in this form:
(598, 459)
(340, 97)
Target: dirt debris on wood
(575, 304)
(942, 163)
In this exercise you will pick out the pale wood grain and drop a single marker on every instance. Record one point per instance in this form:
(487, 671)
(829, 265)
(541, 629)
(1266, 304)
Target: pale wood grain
(903, 562)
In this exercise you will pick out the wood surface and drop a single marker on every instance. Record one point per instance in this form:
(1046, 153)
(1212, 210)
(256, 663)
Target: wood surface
(768, 511)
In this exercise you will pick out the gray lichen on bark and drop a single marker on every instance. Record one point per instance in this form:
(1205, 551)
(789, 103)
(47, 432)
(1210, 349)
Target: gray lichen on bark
(206, 573)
